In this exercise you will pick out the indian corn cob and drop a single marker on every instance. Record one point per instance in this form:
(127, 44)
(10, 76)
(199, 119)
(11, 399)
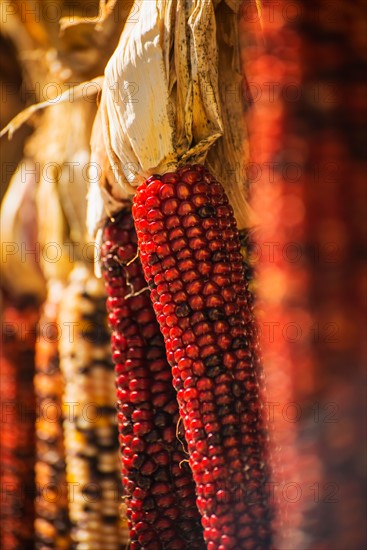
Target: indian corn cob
(190, 251)
(335, 224)
(281, 282)
(309, 144)
(51, 506)
(160, 492)
(90, 425)
(19, 321)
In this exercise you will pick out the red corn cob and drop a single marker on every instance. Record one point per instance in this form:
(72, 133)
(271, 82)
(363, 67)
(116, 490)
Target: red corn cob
(316, 287)
(160, 492)
(190, 251)
(19, 322)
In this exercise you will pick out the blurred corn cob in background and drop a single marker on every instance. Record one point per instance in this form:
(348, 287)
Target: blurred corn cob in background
(22, 289)
(90, 425)
(307, 136)
(52, 526)
(262, 65)
(19, 328)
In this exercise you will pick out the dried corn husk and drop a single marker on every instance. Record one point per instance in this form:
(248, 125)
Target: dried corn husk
(229, 156)
(64, 164)
(164, 99)
(53, 230)
(54, 178)
(84, 34)
(33, 201)
(87, 43)
(21, 274)
(103, 198)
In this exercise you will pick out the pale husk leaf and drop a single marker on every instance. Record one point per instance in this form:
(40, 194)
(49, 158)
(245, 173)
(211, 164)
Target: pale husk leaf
(20, 271)
(164, 97)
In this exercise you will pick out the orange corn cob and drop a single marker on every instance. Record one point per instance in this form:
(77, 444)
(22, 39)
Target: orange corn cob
(160, 492)
(52, 526)
(190, 251)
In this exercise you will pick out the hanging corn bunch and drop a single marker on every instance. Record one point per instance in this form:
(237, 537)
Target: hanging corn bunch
(190, 249)
(90, 428)
(160, 493)
(171, 140)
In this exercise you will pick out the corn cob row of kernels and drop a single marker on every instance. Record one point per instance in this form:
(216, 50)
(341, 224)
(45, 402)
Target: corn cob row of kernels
(247, 252)
(190, 250)
(247, 244)
(157, 479)
(90, 425)
(19, 322)
(51, 506)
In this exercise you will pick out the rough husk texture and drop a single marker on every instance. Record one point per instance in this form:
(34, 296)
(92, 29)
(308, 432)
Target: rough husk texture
(165, 99)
